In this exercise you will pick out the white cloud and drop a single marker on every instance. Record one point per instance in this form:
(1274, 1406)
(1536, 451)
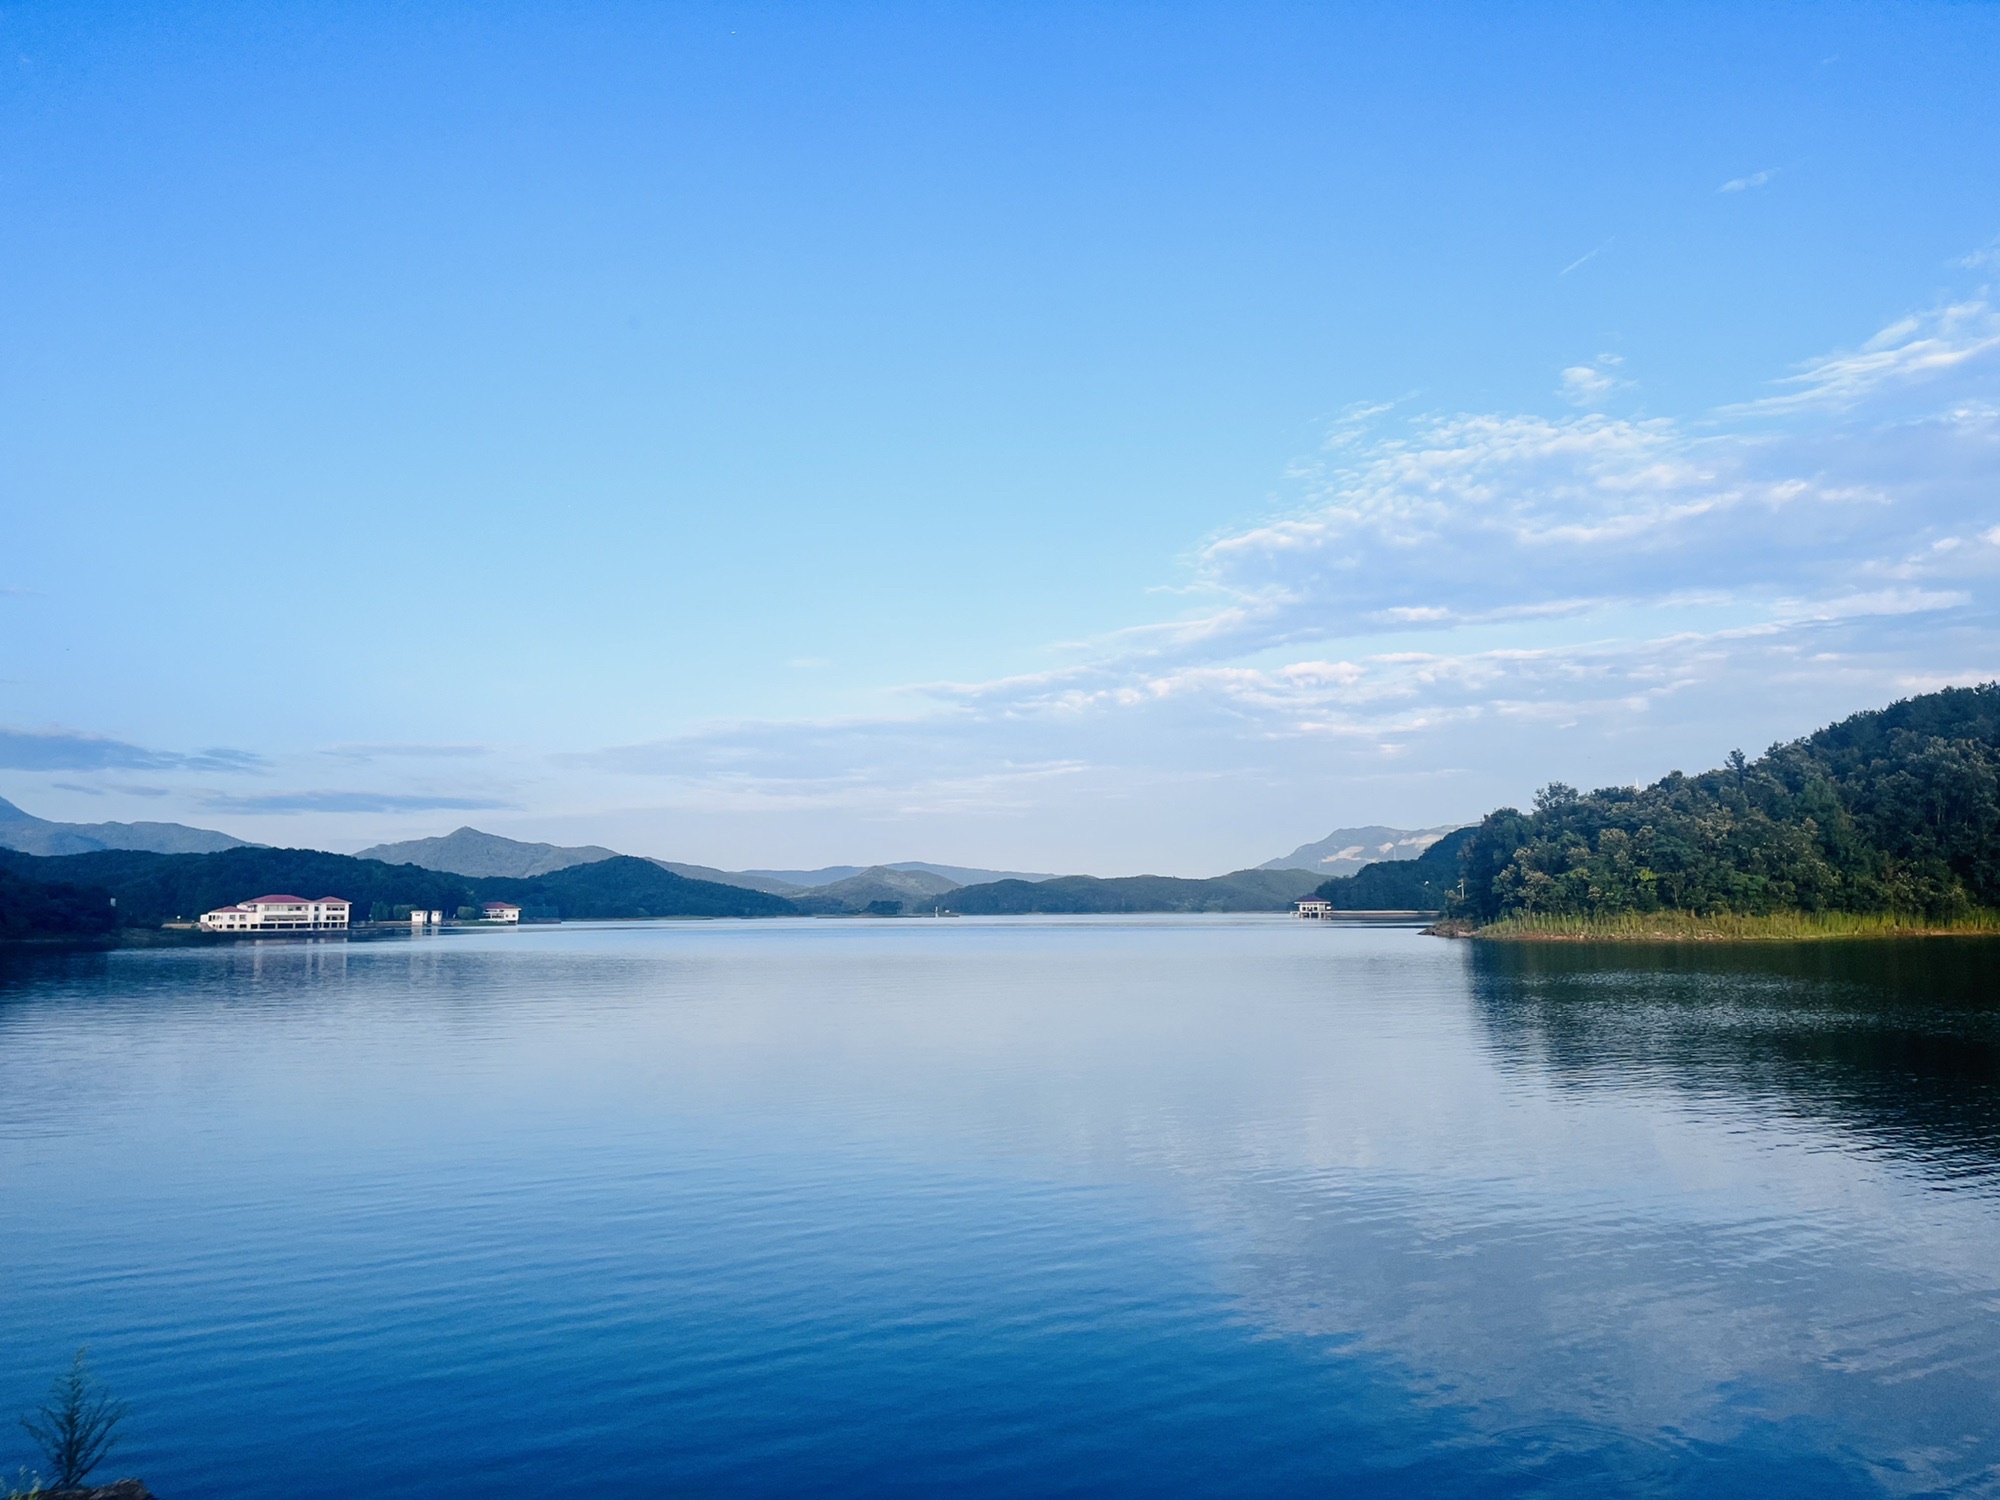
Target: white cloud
(1985, 258)
(1744, 184)
(1453, 608)
(1917, 348)
(1586, 383)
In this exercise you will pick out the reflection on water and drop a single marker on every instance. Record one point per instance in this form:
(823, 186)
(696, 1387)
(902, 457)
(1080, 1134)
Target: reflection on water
(1154, 1206)
(1898, 1042)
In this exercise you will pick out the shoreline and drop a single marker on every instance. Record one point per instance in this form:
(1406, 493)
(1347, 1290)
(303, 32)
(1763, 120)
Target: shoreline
(1676, 927)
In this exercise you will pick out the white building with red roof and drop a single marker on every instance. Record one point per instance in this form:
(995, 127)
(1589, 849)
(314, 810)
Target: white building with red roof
(279, 914)
(500, 911)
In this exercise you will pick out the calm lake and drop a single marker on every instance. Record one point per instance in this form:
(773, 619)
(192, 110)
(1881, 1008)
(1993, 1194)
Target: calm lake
(1155, 1206)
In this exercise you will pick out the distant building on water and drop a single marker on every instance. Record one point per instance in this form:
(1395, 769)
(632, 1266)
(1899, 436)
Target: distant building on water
(279, 914)
(500, 911)
(1317, 911)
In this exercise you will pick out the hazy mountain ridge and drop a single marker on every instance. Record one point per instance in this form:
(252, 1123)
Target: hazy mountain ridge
(880, 887)
(1346, 851)
(32, 835)
(956, 874)
(748, 880)
(468, 851)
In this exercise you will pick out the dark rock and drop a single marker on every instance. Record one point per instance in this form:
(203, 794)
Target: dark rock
(123, 1489)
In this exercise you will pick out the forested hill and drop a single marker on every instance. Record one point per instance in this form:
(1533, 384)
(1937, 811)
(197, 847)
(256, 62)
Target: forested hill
(1896, 810)
(53, 909)
(155, 888)
(626, 886)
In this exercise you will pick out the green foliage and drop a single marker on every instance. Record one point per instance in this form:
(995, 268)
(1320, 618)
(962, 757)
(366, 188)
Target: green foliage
(627, 887)
(76, 1426)
(38, 908)
(1894, 811)
(156, 888)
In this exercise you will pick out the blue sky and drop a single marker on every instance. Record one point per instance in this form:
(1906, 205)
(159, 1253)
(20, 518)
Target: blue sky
(1088, 437)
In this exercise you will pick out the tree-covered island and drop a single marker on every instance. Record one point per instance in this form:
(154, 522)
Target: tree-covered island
(1886, 822)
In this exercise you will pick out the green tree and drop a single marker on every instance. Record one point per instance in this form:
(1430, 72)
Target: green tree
(1893, 810)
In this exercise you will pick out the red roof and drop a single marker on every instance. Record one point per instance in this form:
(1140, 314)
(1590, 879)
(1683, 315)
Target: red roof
(276, 901)
(333, 901)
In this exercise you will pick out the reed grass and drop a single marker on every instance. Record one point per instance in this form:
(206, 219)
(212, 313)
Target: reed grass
(1733, 927)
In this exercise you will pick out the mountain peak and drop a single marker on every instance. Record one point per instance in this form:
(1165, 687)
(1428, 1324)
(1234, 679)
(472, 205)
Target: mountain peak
(469, 851)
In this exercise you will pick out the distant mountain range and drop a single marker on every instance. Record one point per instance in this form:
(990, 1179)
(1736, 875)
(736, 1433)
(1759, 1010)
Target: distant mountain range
(1346, 850)
(620, 889)
(468, 851)
(749, 880)
(86, 893)
(1239, 891)
(33, 835)
(886, 889)
(956, 874)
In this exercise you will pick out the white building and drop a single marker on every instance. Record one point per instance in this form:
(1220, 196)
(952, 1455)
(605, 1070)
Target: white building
(1317, 910)
(279, 914)
(500, 911)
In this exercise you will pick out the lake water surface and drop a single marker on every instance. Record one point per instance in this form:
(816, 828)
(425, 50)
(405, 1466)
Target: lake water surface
(1156, 1206)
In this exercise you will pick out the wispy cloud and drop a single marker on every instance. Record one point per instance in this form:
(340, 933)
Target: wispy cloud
(67, 750)
(1584, 385)
(1914, 349)
(1081, 737)
(1585, 259)
(1744, 184)
(397, 751)
(1443, 590)
(1985, 258)
(348, 802)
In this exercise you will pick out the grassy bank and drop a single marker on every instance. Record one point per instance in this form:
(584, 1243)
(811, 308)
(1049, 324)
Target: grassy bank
(1722, 927)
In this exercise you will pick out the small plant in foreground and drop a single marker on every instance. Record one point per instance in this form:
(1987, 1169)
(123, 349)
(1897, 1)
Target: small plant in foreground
(77, 1425)
(25, 1485)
